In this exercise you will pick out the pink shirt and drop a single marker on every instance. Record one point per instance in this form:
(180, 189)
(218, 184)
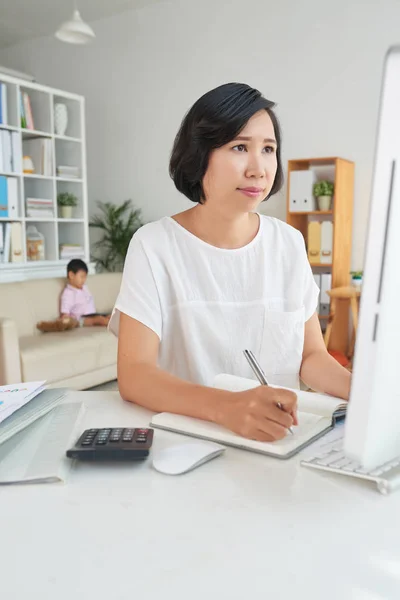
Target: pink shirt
(76, 302)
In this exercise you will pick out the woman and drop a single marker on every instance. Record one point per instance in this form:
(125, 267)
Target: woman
(201, 286)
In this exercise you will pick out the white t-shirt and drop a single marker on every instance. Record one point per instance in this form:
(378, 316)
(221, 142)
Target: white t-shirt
(208, 304)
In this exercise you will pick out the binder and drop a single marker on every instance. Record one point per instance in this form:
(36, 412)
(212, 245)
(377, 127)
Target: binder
(16, 242)
(2, 235)
(326, 284)
(7, 242)
(3, 196)
(3, 104)
(12, 197)
(16, 152)
(301, 197)
(326, 242)
(7, 157)
(314, 242)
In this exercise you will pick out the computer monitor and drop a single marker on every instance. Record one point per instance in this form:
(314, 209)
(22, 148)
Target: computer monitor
(372, 429)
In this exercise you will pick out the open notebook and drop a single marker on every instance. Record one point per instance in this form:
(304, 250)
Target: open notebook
(317, 414)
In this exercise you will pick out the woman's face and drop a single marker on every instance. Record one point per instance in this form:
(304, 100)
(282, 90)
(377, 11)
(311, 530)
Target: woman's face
(241, 173)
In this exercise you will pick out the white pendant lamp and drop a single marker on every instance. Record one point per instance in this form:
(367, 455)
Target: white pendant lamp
(75, 31)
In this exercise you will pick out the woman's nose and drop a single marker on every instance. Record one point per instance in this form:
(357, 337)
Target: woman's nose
(255, 167)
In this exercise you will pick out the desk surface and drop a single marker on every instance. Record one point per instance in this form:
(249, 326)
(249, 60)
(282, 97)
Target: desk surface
(240, 525)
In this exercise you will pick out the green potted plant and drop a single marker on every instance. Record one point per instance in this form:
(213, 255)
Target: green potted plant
(356, 278)
(117, 224)
(66, 201)
(323, 191)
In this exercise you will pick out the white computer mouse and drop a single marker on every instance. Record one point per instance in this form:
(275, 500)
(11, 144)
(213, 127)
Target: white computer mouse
(182, 458)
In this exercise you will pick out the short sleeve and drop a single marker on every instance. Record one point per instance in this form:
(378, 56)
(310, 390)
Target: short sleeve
(311, 290)
(138, 297)
(66, 302)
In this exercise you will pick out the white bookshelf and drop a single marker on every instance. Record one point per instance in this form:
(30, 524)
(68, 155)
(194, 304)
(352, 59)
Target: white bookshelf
(68, 149)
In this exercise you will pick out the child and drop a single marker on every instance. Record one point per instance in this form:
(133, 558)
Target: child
(76, 300)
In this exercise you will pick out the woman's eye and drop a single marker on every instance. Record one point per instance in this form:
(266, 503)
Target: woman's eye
(269, 149)
(239, 147)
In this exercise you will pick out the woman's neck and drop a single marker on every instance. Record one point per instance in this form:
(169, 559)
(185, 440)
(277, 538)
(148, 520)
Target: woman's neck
(228, 232)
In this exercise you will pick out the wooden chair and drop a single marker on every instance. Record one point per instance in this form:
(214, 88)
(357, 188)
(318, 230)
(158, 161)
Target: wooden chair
(339, 294)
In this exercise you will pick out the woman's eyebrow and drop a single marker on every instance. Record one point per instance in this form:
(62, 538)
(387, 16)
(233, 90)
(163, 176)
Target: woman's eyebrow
(249, 138)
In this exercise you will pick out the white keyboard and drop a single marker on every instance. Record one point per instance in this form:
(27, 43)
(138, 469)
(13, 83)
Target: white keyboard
(328, 455)
(37, 453)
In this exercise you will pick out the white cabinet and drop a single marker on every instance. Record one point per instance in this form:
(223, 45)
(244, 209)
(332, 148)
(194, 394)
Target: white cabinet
(37, 191)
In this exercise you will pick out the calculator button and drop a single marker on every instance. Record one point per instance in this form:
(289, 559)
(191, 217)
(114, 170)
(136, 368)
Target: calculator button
(141, 440)
(87, 443)
(101, 442)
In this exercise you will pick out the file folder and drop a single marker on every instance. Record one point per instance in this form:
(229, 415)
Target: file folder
(314, 242)
(326, 242)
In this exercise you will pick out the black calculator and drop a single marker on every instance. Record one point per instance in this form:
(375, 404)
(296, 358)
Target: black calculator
(117, 443)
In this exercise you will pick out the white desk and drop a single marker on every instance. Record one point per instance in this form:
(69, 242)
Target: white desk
(239, 526)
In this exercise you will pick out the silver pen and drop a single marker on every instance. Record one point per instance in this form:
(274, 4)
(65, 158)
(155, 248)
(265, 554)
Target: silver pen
(259, 373)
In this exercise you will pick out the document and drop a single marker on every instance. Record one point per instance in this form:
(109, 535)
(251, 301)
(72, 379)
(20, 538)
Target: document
(16, 395)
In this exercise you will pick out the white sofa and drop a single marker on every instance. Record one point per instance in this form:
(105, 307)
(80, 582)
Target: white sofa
(78, 359)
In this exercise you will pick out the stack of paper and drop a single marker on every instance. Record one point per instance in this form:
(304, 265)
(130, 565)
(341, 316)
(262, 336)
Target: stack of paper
(13, 397)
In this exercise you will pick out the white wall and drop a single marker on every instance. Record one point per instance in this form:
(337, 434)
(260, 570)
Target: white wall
(320, 61)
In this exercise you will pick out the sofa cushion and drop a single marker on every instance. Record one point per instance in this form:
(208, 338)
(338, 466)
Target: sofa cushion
(105, 288)
(56, 356)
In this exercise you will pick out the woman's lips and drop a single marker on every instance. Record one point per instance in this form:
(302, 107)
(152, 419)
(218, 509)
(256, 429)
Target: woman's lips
(251, 192)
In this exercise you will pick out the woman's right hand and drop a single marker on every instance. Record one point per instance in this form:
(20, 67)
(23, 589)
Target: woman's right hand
(254, 413)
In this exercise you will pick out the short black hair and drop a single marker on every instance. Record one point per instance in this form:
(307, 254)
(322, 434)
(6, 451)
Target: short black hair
(213, 121)
(75, 265)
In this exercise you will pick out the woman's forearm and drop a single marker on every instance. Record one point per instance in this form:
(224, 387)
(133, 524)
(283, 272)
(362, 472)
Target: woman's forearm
(157, 390)
(322, 373)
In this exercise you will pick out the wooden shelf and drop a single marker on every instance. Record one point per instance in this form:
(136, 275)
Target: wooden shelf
(321, 265)
(312, 212)
(341, 217)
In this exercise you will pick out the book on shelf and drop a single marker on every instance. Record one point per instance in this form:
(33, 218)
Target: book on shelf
(69, 251)
(22, 111)
(39, 208)
(67, 171)
(26, 112)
